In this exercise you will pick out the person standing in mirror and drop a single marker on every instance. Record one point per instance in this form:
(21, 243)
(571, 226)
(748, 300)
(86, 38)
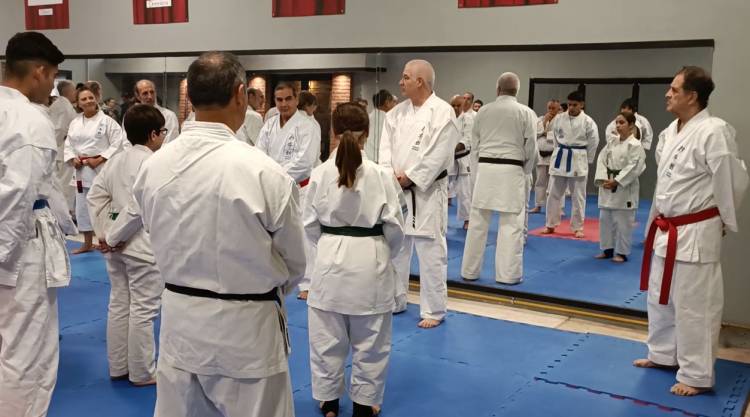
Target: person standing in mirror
(418, 142)
(383, 101)
(645, 133)
(576, 139)
(503, 147)
(477, 105)
(700, 184)
(253, 120)
(545, 143)
(292, 139)
(62, 113)
(620, 163)
(145, 93)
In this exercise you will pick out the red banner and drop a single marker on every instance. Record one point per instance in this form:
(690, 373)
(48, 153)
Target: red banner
(149, 12)
(496, 3)
(47, 14)
(291, 8)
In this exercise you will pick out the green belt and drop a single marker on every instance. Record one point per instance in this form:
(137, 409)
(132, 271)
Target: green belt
(113, 216)
(376, 230)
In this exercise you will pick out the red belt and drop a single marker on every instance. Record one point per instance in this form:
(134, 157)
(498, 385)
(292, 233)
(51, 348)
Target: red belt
(303, 183)
(83, 158)
(669, 225)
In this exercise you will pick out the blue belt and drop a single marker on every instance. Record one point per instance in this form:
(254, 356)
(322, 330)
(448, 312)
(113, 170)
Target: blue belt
(568, 163)
(40, 204)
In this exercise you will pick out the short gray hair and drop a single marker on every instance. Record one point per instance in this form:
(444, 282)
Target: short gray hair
(64, 84)
(508, 83)
(213, 77)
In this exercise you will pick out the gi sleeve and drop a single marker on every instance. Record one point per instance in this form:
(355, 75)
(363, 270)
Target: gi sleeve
(386, 138)
(601, 167)
(116, 139)
(309, 212)
(128, 223)
(287, 235)
(635, 166)
(68, 152)
(530, 148)
(300, 166)
(172, 125)
(21, 173)
(59, 208)
(660, 146)
(392, 215)
(647, 134)
(435, 157)
(592, 140)
(729, 176)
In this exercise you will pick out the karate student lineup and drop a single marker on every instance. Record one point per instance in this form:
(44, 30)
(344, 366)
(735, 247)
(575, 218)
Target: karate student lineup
(212, 224)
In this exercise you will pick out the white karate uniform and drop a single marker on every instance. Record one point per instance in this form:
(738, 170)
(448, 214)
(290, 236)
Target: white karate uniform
(464, 184)
(250, 130)
(172, 124)
(545, 142)
(504, 129)
(573, 167)
(296, 147)
(136, 285)
(617, 208)
(99, 135)
(377, 120)
(33, 259)
(62, 113)
(420, 142)
(643, 125)
(699, 168)
(199, 196)
(273, 111)
(353, 282)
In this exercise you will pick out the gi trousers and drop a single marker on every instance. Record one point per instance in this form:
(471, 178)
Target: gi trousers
(508, 251)
(540, 187)
(555, 200)
(616, 229)
(433, 274)
(463, 192)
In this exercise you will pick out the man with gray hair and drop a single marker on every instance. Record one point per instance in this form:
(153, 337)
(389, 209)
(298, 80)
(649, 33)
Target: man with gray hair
(145, 93)
(224, 344)
(503, 147)
(62, 112)
(418, 141)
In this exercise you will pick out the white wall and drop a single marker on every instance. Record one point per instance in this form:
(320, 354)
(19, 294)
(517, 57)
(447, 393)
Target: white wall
(105, 27)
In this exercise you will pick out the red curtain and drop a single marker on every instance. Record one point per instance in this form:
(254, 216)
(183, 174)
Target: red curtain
(492, 3)
(290, 8)
(176, 13)
(59, 19)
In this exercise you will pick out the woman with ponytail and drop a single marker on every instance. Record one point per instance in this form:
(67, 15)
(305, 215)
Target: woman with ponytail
(354, 215)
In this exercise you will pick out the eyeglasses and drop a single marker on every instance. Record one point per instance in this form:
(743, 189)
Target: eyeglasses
(163, 131)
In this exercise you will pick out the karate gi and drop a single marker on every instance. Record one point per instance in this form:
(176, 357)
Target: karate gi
(33, 259)
(504, 151)
(353, 284)
(377, 120)
(62, 113)
(99, 135)
(136, 285)
(420, 142)
(251, 128)
(199, 196)
(545, 143)
(464, 184)
(643, 125)
(623, 161)
(172, 124)
(698, 169)
(576, 140)
(296, 147)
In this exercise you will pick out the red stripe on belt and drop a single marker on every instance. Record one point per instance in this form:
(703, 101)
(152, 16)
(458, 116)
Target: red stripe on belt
(669, 225)
(304, 182)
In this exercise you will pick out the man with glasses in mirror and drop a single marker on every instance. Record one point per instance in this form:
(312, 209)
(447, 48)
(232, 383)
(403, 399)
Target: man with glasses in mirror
(145, 93)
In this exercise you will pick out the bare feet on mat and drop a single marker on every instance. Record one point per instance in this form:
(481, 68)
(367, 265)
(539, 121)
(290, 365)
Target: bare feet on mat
(428, 323)
(302, 295)
(83, 249)
(578, 234)
(466, 225)
(618, 259)
(535, 210)
(548, 230)
(686, 390)
(144, 383)
(646, 363)
(602, 256)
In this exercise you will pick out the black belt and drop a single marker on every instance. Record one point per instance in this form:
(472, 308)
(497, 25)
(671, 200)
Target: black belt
(354, 231)
(545, 154)
(272, 295)
(414, 198)
(461, 154)
(40, 204)
(500, 161)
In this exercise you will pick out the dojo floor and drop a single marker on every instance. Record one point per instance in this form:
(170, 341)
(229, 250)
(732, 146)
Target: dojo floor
(470, 366)
(559, 268)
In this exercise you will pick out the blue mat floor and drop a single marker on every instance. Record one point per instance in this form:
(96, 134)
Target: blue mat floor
(560, 268)
(469, 366)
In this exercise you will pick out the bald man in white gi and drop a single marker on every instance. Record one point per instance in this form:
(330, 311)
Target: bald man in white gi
(418, 142)
(145, 93)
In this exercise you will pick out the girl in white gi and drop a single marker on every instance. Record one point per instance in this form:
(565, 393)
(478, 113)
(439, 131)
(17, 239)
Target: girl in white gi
(93, 138)
(135, 296)
(354, 215)
(620, 163)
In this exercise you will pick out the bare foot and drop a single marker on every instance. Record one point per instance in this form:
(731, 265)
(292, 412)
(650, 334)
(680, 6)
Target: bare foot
(618, 259)
(82, 249)
(302, 295)
(646, 363)
(686, 390)
(548, 230)
(466, 225)
(428, 323)
(602, 256)
(579, 234)
(535, 210)
(144, 383)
